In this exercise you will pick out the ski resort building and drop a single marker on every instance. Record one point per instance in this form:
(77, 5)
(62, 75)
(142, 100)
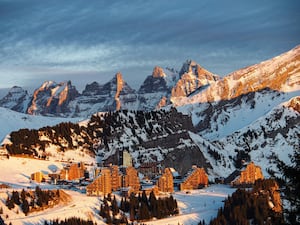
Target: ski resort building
(102, 185)
(108, 179)
(165, 182)
(37, 177)
(116, 178)
(131, 179)
(73, 172)
(248, 176)
(194, 179)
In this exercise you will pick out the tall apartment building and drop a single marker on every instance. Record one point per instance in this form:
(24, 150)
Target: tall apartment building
(149, 169)
(194, 179)
(249, 175)
(102, 185)
(131, 179)
(74, 172)
(165, 182)
(109, 179)
(116, 178)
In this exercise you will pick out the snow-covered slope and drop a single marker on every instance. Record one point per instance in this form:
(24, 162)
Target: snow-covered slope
(156, 89)
(275, 135)
(281, 73)
(215, 120)
(12, 121)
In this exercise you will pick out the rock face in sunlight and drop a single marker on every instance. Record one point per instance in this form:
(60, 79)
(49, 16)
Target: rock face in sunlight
(158, 72)
(295, 104)
(192, 77)
(52, 98)
(17, 99)
(281, 74)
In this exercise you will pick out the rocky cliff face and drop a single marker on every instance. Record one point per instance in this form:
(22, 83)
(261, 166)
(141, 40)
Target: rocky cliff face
(280, 74)
(62, 99)
(52, 98)
(17, 99)
(113, 95)
(156, 89)
(192, 77)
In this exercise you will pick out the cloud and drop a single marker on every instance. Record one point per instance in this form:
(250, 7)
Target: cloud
(110, 36)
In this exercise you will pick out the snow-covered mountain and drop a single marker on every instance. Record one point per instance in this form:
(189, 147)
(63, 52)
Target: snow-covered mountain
(13, 121)
(158, 90)
(193, 77)
(52, 98)
(251, 114)
(275, 135)
(281, 73)
(113, 95)
(17, 99)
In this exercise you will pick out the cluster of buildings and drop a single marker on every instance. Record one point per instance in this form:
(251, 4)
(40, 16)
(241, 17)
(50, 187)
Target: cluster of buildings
(127, 179)
(71, 172)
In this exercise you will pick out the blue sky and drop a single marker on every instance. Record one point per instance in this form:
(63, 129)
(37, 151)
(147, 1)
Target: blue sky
(87, 41)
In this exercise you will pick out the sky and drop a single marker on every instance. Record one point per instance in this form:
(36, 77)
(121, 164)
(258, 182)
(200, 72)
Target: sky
(85, 41)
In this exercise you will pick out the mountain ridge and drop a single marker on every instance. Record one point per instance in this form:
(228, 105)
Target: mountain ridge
(249, 118)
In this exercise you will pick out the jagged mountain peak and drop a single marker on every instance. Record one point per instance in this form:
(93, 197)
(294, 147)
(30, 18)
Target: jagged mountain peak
(119, 77)
(188, 66)
(52, 98)
(16, 99)
(158, 72)
(280, 73)
(192, 78)
(17, 89)
(294, 104)
(155, 91)
(91, 89)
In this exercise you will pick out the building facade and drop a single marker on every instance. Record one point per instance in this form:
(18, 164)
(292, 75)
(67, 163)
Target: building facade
(37, 177)
(116, 178)
(195, 179)
(165, 182)
(101, 185)
(131, 179)
(249, 175)
(73, 172)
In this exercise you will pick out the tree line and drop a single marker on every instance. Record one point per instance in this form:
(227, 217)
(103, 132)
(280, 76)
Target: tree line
(31, 200)
(245, 207)
(139, 208)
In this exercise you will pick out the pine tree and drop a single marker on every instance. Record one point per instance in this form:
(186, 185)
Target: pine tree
(144, 198)
(25, 207)
(9, 203)
(144, 212)
(23, 195)
(291, 187)
(16, 198)
(1, 221)
(114, 206)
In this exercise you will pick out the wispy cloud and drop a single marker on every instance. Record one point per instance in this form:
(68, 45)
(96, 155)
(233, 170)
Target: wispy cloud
(73, 37)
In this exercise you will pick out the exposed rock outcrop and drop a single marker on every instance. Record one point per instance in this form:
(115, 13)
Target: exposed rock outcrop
(52, 98)
(192, 77)
(17, 99)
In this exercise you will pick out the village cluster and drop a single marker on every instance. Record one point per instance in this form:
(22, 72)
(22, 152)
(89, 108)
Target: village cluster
(103, 180)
